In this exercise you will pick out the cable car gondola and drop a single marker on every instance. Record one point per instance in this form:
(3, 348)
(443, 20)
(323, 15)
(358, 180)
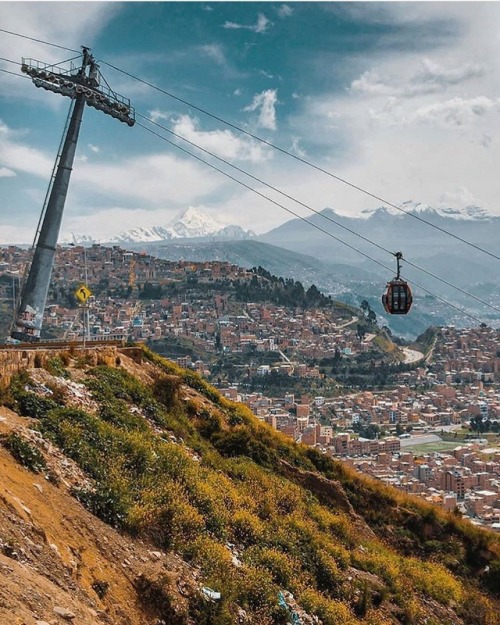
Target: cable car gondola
(397, 299)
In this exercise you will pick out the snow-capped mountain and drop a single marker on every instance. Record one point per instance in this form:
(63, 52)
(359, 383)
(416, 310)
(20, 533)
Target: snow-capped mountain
(193, 223)
(190, 223)
(77, 239)
(468, 213)
(142, 235)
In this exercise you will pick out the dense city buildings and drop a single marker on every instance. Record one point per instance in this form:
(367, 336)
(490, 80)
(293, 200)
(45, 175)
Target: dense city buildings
(141, 298)
(432, 402)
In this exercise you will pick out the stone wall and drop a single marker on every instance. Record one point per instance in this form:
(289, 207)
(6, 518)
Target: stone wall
(14, 360)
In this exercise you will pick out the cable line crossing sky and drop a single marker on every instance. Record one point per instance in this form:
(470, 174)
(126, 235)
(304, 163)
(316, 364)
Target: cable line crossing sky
(398, 99)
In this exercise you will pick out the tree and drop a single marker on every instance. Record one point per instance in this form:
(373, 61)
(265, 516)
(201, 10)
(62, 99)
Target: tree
(361, 331)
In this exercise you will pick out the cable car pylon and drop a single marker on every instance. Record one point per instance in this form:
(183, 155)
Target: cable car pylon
(83, 86)
(398, 298)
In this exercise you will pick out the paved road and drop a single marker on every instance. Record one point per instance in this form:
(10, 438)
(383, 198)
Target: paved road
(347, 323)
(411, 355)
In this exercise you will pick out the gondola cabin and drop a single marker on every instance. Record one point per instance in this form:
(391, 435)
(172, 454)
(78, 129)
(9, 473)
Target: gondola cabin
(397, 299)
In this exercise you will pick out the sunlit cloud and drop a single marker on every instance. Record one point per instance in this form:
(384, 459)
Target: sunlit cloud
(261, 26)
(285, 10)
(265, 104)
(223, 143)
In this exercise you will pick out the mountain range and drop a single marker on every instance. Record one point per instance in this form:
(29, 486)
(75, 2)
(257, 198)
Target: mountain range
(417, 230)
(190, 223)
(414, 228)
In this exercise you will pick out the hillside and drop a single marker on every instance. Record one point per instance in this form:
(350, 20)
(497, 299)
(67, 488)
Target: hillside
(287, 263)
(132, 493)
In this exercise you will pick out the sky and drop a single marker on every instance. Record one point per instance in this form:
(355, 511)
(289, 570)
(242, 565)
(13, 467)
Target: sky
(399, 98)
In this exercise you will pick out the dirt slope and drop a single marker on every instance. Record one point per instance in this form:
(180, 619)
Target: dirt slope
(59, 563)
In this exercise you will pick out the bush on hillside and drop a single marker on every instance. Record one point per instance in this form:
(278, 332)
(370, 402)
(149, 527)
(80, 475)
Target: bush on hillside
(24, 452)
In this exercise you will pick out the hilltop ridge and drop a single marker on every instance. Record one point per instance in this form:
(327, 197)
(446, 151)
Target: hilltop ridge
(205, 515)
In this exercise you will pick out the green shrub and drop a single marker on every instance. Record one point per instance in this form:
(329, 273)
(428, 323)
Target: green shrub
(209, 423)
(328, 576)
(283, 569)
(257, 590)
(166, 389)
(330, 612)
(24, 452)
(116, 411)
(214, 560)
(491, 577)
(100, 587)
(110, 502)
(55, 366)
(214, 497)
(164, 514)
(240, 442)
(432, 579)
(246, 527)
(32, 405)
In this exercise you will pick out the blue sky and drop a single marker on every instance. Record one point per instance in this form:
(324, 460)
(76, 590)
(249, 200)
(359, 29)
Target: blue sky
(400, 98)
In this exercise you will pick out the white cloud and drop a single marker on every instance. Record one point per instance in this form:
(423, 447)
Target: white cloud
(284, 11)
(261, 26)
(15, 234)
(152, 179)
(430, 78)
(233, 25)
(425, 154)
(94, 148)
(433, 72)
(418, 122)
(486, 140)
(53, 22)
(18, 156)
(459, 198)
(156, 115)
(453, 113)
(456, 112)
(215, 52)
(296, 149)
(6, 173)
(265, 104)
(223, 143)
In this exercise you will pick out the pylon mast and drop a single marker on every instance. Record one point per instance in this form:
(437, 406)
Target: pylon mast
(83, 86)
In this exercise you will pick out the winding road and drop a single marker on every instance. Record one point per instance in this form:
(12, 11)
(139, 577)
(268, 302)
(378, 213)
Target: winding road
(412, 355)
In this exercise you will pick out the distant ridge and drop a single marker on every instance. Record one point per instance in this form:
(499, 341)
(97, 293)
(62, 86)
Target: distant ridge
(391, 229)
(468, 213)
(189, 223)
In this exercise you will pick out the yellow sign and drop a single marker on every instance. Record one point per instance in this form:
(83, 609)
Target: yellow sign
(82, 293)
